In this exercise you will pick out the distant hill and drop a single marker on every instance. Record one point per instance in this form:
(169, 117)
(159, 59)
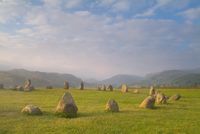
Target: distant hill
(117, 80)
(39, 79)
(177, 78)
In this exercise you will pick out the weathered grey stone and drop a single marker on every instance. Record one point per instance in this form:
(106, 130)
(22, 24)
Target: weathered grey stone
(103, 87)
(152, 91)
(175, 97)
(136, 91)
(66, 85)
(31, 110)
(110, 87)
(160, 98)
(124, 88)
(112, 106)
(66, 106)
(27, 86)
(148, 102)
(82, 86)
(1, 86)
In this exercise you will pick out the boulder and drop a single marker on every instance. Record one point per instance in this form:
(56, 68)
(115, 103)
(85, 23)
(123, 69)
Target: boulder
(66, 85)
(82, 86)
(66, 106)
(124, 88)
(161, 99)
(152, 91)
(112, 106)
(148, 102)
(110, 87)
(175, 97)
(31, 110)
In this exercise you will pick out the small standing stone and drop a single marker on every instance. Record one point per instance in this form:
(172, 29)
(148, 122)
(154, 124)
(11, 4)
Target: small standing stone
(175, 97)
(148, 102)
(124, 88)
(82, 85)
(103, 87)
(161, 99)
(110, 87)
(112, 106)
(1, 86)
(66, 85)
(152, 91)
(31, 110)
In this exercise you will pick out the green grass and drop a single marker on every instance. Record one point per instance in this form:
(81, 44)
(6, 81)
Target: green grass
(180, 117)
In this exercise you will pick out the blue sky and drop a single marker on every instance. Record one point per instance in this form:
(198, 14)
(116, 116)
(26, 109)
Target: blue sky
(100, 38)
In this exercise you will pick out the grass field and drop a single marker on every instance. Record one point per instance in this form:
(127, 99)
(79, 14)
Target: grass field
(180, 117)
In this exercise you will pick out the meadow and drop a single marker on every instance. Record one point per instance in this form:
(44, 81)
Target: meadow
(176, 117)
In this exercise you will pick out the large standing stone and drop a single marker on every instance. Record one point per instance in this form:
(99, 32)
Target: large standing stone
(124, 88)
(66, 85)
(103, 87)
(82, 85)
(112, 106)
(31, 110)
(110, 87)
(1, 86)
(66, 106)
(161, 99)
(148, 102)
(175, 97)
(152, 91)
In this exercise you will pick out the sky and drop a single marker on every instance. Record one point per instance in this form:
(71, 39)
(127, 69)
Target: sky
(100, 38)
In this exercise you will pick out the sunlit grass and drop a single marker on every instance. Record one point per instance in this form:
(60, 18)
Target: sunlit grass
(182, 116)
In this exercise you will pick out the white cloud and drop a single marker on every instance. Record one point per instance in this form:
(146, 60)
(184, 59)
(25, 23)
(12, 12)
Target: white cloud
(72, 3)
(11, 9)
(191, 14)
(121, 5)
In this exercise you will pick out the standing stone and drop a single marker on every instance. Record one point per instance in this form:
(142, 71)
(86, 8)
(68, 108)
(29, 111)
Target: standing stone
(31, 110)
(27, 83)
(82, 85)
(66, 85)
(27, 86)
(148, 102)
(103, 87)
(161, 99)
(112, 106)
(152, 91)
(136, 91)
(175, 97)
(66, 106)
(98, 88)
(110, 87)
(124, 88)
(1, 86)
